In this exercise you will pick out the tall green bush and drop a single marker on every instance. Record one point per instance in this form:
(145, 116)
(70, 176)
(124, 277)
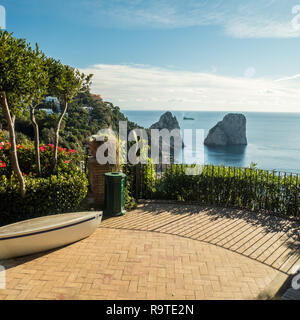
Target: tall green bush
(44, 196)
(130, 188)
(247, 188)
(48, 194)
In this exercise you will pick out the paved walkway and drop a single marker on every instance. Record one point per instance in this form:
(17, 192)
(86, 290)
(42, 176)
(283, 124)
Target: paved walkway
(270, 240)
(163, 251)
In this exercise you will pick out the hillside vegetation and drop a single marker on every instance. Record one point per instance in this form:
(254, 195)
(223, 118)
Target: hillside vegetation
(85, 117)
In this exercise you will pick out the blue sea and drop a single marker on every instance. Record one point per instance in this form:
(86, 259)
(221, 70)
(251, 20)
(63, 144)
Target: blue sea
(273, 138)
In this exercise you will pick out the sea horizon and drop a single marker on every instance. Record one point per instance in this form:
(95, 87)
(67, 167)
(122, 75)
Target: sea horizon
(273, 137)
(227, 111)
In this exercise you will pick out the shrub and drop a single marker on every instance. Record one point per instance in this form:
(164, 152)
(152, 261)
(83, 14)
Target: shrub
(247, 188)
(67, 159)
(129, 199)
(149, 179)
(44, 196)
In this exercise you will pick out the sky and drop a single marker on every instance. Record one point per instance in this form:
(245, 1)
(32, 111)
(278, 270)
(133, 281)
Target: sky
(217, 55)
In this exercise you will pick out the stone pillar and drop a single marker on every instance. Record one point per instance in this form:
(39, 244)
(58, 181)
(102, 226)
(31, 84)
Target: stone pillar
(97, 171)
(96, 178)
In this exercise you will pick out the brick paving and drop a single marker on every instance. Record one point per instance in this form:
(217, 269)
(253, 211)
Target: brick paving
(163, 251)
(271, 240)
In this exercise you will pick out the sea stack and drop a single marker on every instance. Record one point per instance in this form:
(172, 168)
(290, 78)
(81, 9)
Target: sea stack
(166, 121)
(230, 131)
(169, 122)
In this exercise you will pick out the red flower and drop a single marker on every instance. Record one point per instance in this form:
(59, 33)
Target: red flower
(51, 145)
(66, 161)
(72, 151)
(2, 164)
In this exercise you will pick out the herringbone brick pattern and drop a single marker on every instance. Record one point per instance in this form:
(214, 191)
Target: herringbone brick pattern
(182, 257)
(271, 240)
(123, 264)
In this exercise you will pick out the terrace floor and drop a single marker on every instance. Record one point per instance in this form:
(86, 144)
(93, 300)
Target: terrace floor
(165, 251)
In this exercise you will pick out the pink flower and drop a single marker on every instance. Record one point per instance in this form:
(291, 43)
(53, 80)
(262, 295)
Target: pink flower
(66, 161)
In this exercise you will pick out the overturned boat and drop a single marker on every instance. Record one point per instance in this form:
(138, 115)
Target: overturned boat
(45, 233)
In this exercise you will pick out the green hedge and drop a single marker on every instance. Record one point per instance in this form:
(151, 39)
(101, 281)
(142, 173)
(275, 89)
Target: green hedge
(130, 190)
(44, 196)
(247, 188)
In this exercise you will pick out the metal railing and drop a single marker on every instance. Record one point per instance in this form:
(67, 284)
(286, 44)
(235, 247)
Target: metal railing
(248, 188)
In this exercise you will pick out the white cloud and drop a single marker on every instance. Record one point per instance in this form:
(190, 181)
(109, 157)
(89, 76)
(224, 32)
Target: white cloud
(146, 87)
(288, 78)
(238, 18)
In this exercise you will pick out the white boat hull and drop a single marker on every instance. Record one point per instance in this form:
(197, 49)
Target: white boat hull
(42, 234)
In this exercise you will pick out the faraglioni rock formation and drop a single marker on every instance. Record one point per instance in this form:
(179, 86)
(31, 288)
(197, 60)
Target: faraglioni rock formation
(169, 122)
(166, 121)
(230, 131)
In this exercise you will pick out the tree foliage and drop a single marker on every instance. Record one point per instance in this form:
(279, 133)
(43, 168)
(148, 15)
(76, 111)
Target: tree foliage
(21, 72)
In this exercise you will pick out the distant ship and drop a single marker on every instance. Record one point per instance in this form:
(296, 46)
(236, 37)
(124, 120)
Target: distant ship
(187, 118)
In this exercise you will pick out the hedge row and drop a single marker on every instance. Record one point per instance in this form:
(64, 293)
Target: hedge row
(247, 188)
(44, 196)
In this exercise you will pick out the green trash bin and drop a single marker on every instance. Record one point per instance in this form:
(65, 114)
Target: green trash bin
(114, 194)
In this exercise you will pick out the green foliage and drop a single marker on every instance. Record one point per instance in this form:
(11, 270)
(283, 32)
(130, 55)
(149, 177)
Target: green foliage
(68, 160)
(150, 184)
(44, 196)
(65, 82)
(129, 191)
(247, 188)
(78, 124)
(26, 78)
(22, 71)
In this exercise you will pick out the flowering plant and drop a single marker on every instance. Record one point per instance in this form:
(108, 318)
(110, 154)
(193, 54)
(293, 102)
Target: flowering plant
(67, 161)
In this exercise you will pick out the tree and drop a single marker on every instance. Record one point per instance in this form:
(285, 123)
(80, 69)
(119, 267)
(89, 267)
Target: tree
(18, 72)
(65, 83)
(41, 85)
